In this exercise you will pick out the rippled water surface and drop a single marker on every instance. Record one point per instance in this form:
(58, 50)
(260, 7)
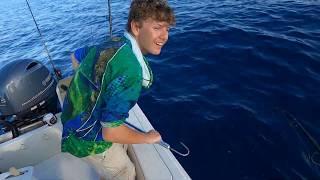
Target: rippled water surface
(229, 71)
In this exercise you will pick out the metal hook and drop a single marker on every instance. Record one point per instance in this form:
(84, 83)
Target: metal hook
(164, 144)
(182, 154)
(167, 146)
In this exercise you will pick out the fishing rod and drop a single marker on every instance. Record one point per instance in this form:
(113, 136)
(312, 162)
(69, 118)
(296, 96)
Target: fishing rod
(162, 143)
(110, 18)
(57, 72)
(115, 39)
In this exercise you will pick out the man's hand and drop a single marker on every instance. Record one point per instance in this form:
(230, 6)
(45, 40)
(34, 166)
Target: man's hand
(153, 137)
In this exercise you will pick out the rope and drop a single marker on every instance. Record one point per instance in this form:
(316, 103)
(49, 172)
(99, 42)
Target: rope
(56, 71)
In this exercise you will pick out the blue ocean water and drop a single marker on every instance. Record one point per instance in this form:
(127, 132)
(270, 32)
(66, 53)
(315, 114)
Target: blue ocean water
(229, 71)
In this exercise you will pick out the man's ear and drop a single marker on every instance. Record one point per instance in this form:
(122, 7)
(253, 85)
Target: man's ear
(135, 28)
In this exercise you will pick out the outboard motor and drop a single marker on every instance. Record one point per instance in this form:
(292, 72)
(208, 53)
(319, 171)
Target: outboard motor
(25, 86)
(27, 94)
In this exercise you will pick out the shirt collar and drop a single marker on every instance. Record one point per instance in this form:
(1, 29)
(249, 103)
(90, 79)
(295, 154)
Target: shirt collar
(146, 74)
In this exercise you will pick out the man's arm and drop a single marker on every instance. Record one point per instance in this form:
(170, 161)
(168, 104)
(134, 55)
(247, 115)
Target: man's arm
(125, 135)
(75, 62)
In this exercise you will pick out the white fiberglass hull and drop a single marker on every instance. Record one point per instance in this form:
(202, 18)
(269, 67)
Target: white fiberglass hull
(40, 148)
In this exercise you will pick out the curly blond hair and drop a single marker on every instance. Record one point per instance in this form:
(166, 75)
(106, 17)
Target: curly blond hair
(158, 10)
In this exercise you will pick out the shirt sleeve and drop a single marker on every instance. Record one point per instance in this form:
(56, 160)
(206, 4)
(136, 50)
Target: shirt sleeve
(81, 53)
(120, 96)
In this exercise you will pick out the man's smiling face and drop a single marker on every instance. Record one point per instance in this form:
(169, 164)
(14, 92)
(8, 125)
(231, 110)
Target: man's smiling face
(150, 35)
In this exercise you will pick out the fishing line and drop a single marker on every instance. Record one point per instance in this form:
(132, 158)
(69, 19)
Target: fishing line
(315, 158)
(57, 72)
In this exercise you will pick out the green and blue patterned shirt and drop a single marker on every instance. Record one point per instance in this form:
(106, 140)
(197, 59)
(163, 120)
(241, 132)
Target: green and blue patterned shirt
(105, 87)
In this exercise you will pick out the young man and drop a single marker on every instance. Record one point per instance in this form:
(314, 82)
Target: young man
(106, 85)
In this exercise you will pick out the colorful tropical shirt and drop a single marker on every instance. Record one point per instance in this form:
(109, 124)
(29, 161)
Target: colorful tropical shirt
(104, 88)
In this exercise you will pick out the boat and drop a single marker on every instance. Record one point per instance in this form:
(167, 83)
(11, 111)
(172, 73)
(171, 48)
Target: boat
(32, 151)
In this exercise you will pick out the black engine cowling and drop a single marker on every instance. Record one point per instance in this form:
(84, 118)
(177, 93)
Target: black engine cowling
(26, 86)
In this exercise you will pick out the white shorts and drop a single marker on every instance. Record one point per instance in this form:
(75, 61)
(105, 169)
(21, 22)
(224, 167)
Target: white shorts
(113, 164)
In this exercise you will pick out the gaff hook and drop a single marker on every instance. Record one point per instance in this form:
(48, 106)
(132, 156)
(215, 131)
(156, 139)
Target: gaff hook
(162, 143)
(166, 145)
